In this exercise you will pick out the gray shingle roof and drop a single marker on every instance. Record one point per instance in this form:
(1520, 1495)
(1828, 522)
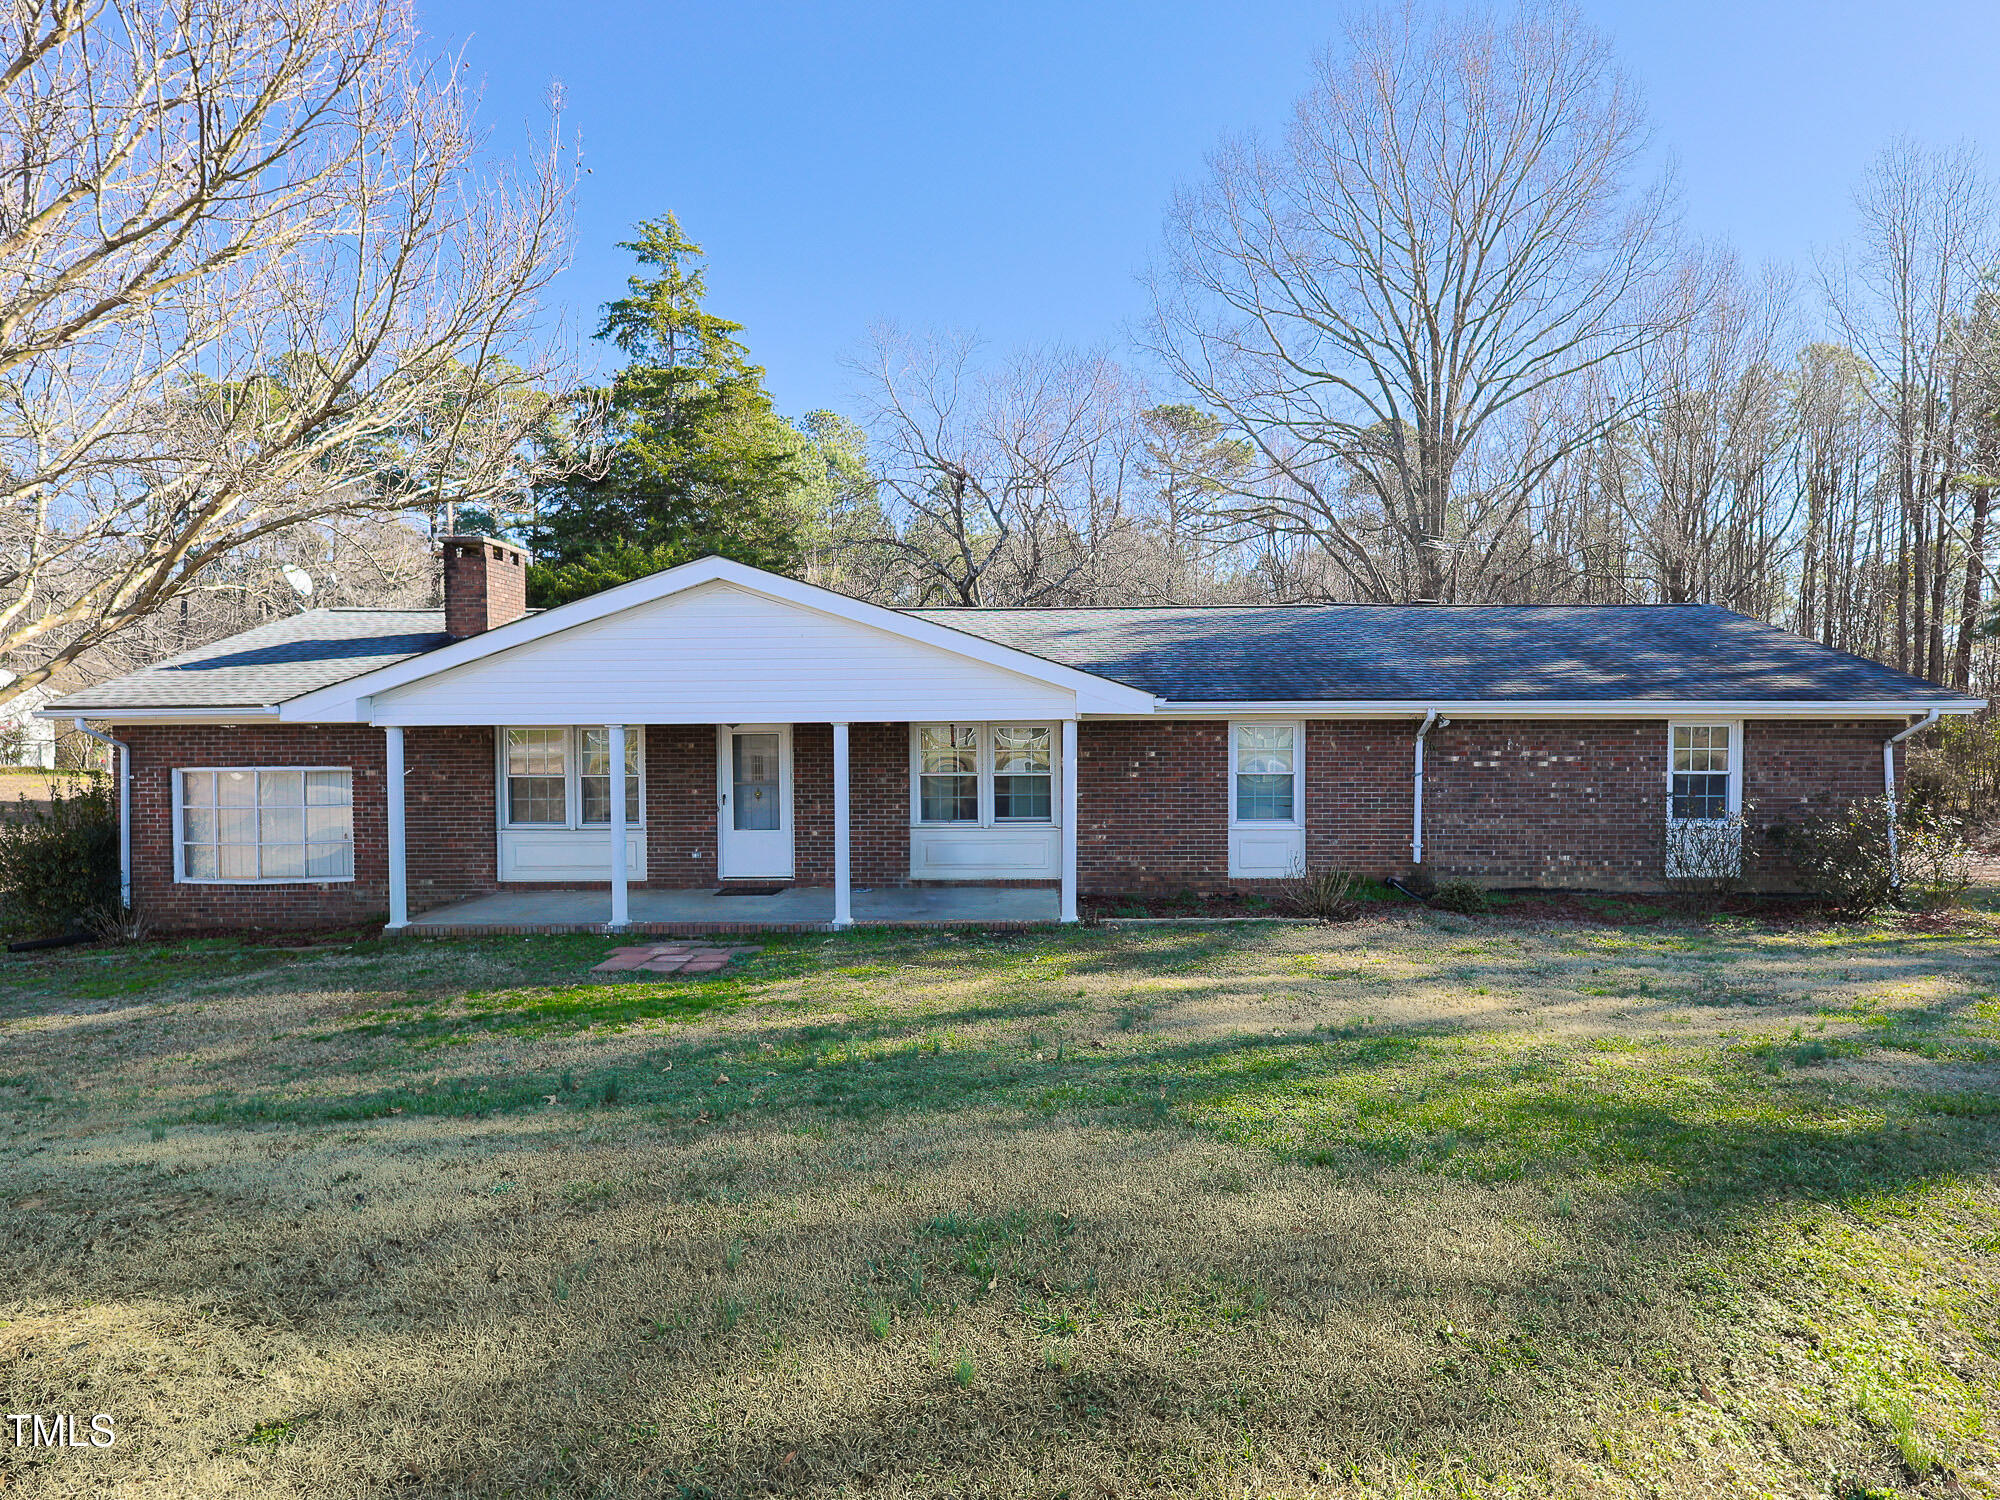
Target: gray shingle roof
(1273, 653)
(1417, 653)
(271, 663)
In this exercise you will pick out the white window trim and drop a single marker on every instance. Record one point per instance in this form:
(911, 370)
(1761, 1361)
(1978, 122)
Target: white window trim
(1735, 728)
(1298, 817)
(984, 728)
(181, 877)
(572, 780)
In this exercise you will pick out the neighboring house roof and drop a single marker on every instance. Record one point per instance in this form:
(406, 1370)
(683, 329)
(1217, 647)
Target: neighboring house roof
(1431, 653)
(270, 664)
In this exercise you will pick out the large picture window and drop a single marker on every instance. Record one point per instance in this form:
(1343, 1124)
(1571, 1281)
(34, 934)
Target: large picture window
(559, 776)
(1264, 771)
(981, 775)
(264, 825)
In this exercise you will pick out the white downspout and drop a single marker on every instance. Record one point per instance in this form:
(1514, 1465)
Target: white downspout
(124, 810)
(1417, 814)
(1889, 788)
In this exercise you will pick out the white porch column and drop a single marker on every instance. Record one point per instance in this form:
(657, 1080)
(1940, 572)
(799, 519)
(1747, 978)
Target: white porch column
(399, 875)
(843, 876)
(620, 915)
(1069, 779)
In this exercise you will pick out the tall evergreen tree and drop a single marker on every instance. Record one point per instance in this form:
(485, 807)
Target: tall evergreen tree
(692, 461)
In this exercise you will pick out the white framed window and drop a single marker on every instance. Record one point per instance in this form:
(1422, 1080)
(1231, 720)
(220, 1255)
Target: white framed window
(982, 775)
(1704, 772)
(1704, 798)
(559, 776)
(263, 825)
(1267, 769)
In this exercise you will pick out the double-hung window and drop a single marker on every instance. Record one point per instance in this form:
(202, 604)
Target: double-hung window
(264, 825)
(1704, 799)
(1702, 780)
(1023, 773)
(948, 773)
(560, 776)
(1264, 772)
(984, 775)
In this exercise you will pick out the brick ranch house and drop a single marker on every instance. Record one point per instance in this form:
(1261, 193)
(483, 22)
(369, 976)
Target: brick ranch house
(791, 756)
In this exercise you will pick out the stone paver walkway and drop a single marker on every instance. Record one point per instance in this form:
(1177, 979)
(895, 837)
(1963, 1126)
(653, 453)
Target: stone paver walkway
(669, 958)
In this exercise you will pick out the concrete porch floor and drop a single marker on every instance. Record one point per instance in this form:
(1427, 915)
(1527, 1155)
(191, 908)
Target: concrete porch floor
(799, 908)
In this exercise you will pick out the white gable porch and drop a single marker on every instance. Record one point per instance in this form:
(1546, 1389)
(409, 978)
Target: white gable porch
(718, 644)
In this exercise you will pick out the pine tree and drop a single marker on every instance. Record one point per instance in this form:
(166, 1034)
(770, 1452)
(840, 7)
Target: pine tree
(696, 462)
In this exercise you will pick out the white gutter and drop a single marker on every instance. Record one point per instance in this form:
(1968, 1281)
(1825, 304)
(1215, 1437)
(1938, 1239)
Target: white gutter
(124, 811)
(1417, 811)
(1567, 708)
(1889, 789)
(191, 714)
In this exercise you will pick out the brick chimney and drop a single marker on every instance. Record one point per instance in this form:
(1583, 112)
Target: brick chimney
(485, 584)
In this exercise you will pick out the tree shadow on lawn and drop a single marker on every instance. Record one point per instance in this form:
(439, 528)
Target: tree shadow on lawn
(953, 1289)
(1383, 1245)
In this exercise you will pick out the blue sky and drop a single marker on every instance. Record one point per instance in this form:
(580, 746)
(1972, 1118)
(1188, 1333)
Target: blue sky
(1005, 168)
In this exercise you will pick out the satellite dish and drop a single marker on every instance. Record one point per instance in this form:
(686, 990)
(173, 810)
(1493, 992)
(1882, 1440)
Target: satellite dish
(300, 580)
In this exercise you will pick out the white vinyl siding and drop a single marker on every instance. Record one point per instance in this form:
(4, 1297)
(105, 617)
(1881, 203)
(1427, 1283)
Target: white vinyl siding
(263, 825)
(722, 655)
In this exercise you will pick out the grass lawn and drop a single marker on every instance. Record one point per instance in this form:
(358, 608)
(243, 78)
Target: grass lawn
(1415, 1205)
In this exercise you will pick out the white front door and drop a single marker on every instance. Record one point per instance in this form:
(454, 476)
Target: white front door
(754, 812)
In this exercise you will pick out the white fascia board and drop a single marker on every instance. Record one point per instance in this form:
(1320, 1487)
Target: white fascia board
(1094, 694)
(264, 715)
(1556, 708)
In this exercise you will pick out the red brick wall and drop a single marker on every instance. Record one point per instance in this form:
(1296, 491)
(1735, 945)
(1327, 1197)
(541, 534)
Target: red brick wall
(1546, 803)
(879, 806)
(1582, 804)
(1153, 806)
(878, 765)
(159, 750)
(680, 805)
(1510, 803)
(1360, 793)
(449, 840)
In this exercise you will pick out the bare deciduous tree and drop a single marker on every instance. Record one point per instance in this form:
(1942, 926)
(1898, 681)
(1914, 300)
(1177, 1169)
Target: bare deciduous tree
(1711, 515)
(254, 271)
(1903, 301)
(1006, 482)
(1387, 302)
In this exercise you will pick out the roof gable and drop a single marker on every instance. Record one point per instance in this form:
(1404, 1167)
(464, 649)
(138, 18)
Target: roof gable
(717, 641)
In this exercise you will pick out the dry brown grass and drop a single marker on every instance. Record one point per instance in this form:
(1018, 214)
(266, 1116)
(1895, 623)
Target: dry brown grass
(1288, 1211)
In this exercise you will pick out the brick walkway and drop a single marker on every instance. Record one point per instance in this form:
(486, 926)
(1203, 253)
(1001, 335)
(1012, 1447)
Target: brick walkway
(669, 958)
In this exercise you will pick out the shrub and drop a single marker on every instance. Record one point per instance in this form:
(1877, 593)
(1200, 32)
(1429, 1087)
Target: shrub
(1420, 882)
(1843, 858)
(59, 864)
(1702, 861)
(1465, 896)
(1326, 895)
(1936, 861)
